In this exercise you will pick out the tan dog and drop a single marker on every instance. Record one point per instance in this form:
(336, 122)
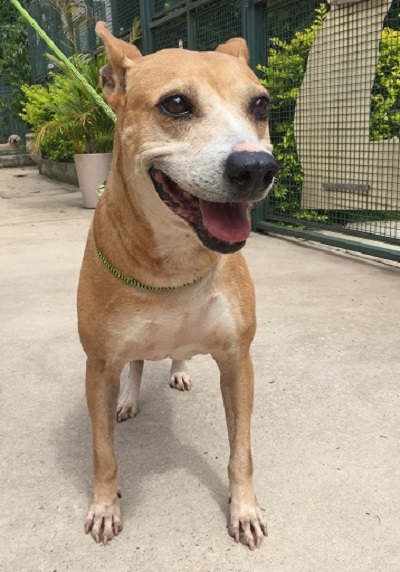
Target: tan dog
(161, 275)
(12, 143)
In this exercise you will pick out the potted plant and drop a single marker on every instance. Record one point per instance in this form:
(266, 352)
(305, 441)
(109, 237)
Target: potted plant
(68, 123)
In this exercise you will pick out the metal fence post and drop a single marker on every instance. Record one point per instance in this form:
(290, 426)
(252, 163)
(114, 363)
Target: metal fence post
(91, 36)
(191, 28)
(255, 34)
(255, 31)
(114, 17)
(146, 16)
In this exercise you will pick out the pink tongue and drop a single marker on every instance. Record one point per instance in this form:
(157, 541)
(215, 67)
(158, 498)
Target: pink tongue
(226, 221)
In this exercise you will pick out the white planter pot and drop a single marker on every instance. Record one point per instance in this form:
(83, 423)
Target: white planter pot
(34, 153)
(92, 171)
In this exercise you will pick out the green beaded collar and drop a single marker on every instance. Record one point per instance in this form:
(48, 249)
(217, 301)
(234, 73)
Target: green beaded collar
(136, 283)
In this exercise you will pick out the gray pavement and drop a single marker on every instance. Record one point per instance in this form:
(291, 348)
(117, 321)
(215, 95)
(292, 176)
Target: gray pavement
(326, 426)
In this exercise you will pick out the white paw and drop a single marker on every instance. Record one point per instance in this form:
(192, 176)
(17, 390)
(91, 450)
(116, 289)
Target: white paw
(247, 524)
(180, 380)
(103, 521)
(127, 406)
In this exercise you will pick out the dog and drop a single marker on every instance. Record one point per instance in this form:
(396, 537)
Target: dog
(162, 274)
(12, 143)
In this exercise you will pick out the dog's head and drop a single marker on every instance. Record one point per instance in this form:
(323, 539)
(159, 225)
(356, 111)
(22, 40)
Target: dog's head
(14, 141)
(194, 124)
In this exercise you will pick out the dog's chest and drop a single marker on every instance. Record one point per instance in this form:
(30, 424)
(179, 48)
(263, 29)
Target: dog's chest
(184, 328)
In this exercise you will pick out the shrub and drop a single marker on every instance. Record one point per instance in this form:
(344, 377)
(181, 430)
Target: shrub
(385, 97)
(65, 119)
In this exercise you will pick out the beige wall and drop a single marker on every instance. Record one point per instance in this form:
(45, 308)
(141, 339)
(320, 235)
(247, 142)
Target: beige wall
(333, 112)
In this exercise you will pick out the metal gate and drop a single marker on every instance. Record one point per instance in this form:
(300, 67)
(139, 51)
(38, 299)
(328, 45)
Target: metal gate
(333, 73)
(203, 24)
(193, 24)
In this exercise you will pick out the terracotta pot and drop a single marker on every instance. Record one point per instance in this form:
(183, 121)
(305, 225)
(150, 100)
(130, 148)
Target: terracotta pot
(92, 171)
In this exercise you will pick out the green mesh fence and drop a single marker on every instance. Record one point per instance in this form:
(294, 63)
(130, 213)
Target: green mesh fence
(50, 20)
(118, 14)
(333, 74)
(217, 23)
(169, 35)
(8, 124)
(125, 13)
(103, 12)
(162, 7)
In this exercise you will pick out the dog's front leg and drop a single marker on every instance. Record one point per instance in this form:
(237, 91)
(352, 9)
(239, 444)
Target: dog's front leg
(237, 386)
(102, 387)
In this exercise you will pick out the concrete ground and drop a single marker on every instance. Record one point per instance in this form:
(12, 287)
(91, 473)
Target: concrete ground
(326, 425)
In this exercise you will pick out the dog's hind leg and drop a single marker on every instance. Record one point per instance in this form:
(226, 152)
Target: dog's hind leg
(128, 401)
(180, 378)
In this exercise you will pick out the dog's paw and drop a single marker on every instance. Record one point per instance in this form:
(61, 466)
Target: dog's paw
(127, 407)
(180, 380)
(103, 521)
(247, 525)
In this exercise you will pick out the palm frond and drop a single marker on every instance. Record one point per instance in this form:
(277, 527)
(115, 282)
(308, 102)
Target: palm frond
(136, 33)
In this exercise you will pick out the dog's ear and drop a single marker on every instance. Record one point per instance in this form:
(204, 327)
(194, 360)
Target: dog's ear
(120, 57)
(235, 47)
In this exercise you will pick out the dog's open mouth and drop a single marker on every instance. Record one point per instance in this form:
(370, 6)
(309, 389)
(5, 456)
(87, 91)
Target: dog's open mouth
(223, 227)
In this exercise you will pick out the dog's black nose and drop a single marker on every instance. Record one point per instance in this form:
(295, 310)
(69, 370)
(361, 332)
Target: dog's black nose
(250, 172)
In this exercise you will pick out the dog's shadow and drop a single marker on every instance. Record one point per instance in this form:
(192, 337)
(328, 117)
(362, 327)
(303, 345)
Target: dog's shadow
(144, 446)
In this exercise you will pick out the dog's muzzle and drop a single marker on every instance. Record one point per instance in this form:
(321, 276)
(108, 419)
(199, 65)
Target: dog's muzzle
(222, 226)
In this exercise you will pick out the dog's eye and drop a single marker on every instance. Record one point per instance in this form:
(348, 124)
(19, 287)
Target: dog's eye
(176, 106)
(259, 107)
